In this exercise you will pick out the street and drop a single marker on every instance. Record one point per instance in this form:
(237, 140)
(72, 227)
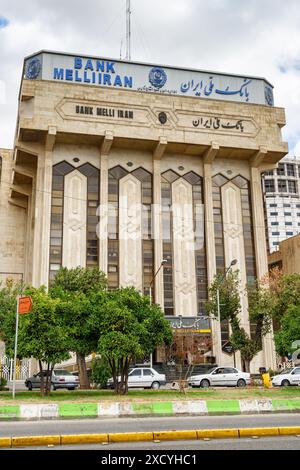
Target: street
(111, 425)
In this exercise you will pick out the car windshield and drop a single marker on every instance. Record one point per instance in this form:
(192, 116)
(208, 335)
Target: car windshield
(62, 372)
(210, 371)
(286, 371)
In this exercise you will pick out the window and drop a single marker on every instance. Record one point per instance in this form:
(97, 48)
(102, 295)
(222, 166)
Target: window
(292, 187)
(298, 206)
(269, 186)
(274, 214)
(136, 373)
(297, 371)
(298, 214)
(282, 186)
(273, 205)
(229, 370)
(286, 205)
(281, 169)
(289, 224)
(269, 173)
(275, 234)
(289, 234)
(274, 224)
(288, 214)
(290, 168)
(147, 372)
(275, 243)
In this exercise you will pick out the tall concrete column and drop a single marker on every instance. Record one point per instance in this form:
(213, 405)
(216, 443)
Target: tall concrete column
(157, 222)
(260, 244)
(103, 208)
(210, 237)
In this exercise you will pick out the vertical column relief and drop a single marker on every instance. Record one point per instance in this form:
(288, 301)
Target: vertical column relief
(130, 233)
(184, 249)
(75, 218)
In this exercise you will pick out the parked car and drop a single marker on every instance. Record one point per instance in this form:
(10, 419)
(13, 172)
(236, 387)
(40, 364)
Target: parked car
(143, 377)
(220, 377)
(60, 379)
(287, 377)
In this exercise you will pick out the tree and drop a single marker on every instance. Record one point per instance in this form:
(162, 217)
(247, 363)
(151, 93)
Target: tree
(8, 306)
(43, 335)
(130, 328)
(75, 288)
(230, 308)
(289, 332)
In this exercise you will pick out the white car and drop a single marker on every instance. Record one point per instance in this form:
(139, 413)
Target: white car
(220, 377)
(143, 377)
(287, 377)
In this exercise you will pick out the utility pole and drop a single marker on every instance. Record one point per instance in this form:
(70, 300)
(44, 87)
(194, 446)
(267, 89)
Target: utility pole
(128, 30)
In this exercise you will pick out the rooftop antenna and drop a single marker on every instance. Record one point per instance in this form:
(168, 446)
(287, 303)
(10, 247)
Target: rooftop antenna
(128, 30)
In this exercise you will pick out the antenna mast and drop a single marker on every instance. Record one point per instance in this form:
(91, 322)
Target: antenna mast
(128, 30)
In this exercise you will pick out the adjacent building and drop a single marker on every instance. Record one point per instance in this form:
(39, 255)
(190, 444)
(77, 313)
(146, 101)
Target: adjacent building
(281, 189)
(122, 165)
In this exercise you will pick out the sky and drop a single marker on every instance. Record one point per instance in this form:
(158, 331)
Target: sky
(249, 37)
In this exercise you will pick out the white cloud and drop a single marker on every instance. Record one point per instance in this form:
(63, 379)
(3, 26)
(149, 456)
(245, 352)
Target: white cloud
(256, 37)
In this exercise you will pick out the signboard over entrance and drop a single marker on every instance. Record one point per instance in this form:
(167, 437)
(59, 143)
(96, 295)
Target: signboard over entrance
(147, 78)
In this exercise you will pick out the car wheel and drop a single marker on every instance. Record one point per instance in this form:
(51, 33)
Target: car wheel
(285, 383)
(29, 386)
(71, 388)
(155, 385)
(241, 383)
(204, 383)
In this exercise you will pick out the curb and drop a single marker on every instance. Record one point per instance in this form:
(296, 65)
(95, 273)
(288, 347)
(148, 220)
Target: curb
(161, 408)
(27, 441)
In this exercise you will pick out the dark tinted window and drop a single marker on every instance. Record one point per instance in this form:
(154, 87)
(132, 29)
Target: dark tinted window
(147, 372)
(136, 373)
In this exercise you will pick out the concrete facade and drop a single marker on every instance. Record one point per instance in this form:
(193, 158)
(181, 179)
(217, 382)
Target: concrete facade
(287, 257)
(66, 163)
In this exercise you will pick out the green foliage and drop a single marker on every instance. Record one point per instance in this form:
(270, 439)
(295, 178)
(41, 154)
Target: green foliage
(8, 307)
(286, 294)
(130, 328)
(100, 371)
(3, 383)
(289, 332)
(229, 296)
(78, 280)
(75, 288)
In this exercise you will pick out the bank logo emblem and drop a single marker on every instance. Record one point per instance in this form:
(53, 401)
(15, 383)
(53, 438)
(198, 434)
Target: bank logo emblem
(33, 68)
(269, 96)
(157, 77)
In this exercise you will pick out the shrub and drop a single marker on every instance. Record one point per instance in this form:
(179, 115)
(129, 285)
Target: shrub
(3, 382)
(100, 372)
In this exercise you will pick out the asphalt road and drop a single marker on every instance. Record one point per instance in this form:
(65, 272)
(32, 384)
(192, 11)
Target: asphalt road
(111, 425)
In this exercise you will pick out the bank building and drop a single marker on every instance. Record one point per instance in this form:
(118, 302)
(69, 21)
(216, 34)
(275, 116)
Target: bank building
(151, 173)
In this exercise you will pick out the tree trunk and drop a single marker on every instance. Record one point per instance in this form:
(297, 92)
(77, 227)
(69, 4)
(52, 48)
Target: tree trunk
(42, 379)
(246, 365)
(82, 372)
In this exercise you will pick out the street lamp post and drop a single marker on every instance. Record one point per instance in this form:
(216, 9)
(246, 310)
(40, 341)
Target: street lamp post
(164, 261)
(233, 263)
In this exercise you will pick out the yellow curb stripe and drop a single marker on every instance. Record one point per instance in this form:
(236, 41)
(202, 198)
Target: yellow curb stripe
(130, 437)
(174, 435)
(248, 432)
(84, 439)
(289, 431)
(218, 433)
(24, 441)
(5, 441)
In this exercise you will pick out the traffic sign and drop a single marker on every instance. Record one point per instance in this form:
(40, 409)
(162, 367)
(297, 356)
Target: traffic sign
(24, 305)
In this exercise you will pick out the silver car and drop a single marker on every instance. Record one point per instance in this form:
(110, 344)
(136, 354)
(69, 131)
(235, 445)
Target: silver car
(220, 377)
(60, 379)
(143, 377)
(287, 377)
